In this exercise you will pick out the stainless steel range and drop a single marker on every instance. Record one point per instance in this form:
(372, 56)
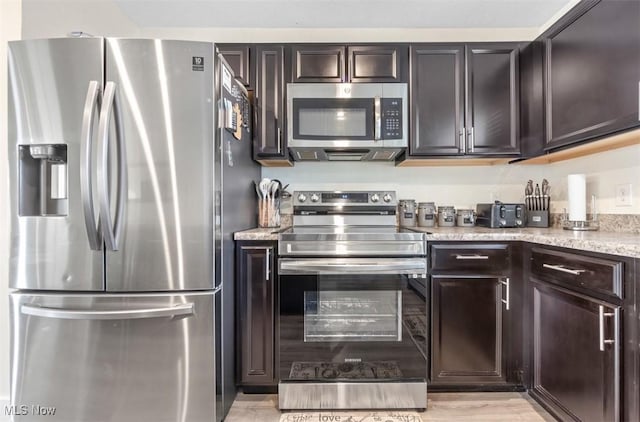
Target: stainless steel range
(352, 320)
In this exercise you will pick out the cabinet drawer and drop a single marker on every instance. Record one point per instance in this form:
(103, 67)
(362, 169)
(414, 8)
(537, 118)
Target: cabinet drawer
(470, 257)
(601, 275)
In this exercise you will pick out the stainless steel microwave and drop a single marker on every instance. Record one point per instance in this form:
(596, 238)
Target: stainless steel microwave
(347, 122)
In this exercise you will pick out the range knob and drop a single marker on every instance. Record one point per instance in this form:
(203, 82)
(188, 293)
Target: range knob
(302, 197)
(503, 222)
(315, 197)
(375, 197)
(386, 197)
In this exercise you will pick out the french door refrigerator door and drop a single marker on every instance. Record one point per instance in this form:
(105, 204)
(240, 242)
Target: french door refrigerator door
(145, 357)
(157, 211)
(55, 88)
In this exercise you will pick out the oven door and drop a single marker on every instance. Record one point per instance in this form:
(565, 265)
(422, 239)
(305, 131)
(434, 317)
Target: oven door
(353, 322)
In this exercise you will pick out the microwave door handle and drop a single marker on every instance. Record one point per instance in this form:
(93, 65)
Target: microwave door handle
(378, 119)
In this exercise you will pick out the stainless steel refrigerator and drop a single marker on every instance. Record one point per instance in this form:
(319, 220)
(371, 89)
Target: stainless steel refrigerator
(120, 232)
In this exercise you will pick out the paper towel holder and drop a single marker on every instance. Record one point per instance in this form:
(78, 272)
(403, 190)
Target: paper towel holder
(590, 224)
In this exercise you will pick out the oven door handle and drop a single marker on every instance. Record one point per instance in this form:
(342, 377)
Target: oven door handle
(352, 266)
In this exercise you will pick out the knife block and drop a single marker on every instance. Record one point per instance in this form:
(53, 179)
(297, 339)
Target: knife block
(538, 218)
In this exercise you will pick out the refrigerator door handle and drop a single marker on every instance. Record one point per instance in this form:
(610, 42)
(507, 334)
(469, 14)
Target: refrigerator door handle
(111, 228)
(186, 309)
(86, 183)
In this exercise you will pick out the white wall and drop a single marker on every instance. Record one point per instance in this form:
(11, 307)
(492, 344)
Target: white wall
(464, 187)
(10, 23)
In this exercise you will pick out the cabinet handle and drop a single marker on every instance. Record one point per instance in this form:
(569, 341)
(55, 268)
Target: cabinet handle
(472, 257)
(563, 269)
(463, 140)
(267, 264)
(378, 126)
(602, 314)
(279, 139)
(470, 147)
(506, 283)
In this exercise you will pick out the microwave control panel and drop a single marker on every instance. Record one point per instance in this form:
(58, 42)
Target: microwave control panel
(392, 118)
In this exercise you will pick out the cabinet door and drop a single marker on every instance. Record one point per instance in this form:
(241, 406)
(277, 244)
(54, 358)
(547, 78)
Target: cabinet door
(269, 137)
(378, 63)
(467, 321)
(437, 100)
(576, 369)
(237, 55)
(318, 63)
(492, 99)
(256, 310)
(593, 74)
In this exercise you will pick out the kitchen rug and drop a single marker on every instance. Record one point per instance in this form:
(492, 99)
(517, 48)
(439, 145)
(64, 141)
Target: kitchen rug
(347, 370)
(364, 416)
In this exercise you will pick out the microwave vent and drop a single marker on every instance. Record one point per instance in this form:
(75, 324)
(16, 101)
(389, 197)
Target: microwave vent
(345, 156)
(384, 154)
(307, 155)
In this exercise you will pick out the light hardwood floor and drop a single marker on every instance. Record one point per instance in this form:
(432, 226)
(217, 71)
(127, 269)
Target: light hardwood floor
(441, 407)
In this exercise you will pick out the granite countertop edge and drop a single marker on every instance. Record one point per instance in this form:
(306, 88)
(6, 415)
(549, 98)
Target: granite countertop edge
(622, 244)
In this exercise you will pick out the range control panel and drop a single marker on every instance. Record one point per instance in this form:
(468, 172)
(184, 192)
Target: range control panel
(341, 198)
(391, 118)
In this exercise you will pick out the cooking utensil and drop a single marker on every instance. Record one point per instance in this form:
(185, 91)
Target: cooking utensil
(537, 200)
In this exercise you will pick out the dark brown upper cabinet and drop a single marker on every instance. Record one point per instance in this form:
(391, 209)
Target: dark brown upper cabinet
(464, 100)
(238, 57)
(269, 136)
(492, 99)
(592, 73)
(437, 100)
(357, 63)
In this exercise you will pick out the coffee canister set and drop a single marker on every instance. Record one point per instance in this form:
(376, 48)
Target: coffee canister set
(426, 214)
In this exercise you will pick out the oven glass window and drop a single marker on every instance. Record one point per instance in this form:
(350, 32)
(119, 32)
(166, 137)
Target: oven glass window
(334, 122)
(353, 315)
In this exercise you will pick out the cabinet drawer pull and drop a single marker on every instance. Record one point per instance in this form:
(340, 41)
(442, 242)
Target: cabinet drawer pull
(602, 314)
(506, 283)
(563, 269)
(472, 257)
(267, 264)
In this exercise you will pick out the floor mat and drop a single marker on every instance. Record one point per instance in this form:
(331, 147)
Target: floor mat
(351, 371)
(365, 416)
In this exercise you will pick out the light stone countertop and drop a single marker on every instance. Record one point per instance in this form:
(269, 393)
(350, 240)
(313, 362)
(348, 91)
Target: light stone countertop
(604, 242)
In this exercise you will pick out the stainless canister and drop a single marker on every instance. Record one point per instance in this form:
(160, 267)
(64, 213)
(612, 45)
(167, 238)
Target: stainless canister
(466, 218)
(426, 214)
(446, 216)
(407, 208)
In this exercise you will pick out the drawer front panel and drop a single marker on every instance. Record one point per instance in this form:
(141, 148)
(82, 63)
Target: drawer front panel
(597, 274)
(485, 257)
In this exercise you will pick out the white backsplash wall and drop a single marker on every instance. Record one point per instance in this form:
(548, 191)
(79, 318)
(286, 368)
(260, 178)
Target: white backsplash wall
(604, 171)
(464, 187)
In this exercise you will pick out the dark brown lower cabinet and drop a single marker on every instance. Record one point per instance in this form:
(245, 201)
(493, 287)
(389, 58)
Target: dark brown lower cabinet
(467, 330)
(576, 354)
(256, 306)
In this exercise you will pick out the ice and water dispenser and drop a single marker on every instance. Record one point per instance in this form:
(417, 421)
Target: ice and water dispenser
(43, 180)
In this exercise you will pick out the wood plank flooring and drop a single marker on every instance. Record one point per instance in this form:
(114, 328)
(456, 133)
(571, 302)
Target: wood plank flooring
(441, 407)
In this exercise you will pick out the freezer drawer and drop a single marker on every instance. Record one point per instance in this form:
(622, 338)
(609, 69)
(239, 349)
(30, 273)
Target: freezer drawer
(147, 357)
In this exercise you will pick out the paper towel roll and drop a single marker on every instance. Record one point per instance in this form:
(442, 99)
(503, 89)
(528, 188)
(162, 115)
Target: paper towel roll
(577, 189)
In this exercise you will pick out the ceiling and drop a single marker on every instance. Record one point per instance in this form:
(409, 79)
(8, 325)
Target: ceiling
(342, 13)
